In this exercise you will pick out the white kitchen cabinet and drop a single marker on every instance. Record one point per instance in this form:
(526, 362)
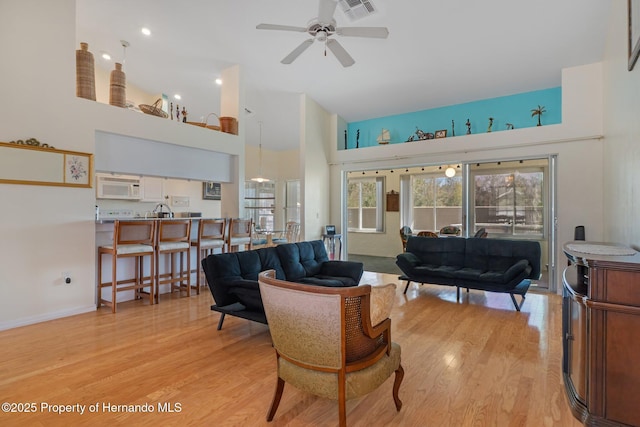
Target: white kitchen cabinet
(152, 189)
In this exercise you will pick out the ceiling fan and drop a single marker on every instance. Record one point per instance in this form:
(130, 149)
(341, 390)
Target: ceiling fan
(322, 29)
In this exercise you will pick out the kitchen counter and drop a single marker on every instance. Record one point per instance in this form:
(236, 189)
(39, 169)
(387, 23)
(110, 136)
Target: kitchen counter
(111, 220)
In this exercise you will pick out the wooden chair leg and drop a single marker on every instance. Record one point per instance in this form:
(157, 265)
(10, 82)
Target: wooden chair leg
(396, 386)
(276, 399)
(114, 282)
(342, 400)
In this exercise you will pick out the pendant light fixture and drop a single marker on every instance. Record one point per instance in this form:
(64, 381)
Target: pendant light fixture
(450, 172)
(260, 178)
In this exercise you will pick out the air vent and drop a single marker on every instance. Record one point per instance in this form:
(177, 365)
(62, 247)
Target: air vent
(357, 9)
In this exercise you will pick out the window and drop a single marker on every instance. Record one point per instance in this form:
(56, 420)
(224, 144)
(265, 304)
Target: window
(510, 201)
(365, 204)
(435, 201)
(259, 203)
(292, 197)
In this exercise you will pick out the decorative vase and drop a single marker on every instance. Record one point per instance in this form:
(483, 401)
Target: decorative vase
(117, 90)
(85, 73)
(229, 125)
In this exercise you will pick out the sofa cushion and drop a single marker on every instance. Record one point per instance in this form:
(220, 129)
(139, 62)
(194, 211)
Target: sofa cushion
(442, 251)
(348, 269)
(269, 260)
(333, 282)
(250, 298)
(302, 259)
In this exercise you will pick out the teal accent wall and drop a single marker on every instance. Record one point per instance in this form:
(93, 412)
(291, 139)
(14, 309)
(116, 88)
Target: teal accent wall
(514, 109)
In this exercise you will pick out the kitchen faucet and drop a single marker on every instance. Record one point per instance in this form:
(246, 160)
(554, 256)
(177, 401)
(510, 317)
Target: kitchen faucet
(160, 206)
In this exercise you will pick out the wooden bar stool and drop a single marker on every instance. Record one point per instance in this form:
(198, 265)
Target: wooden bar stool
(210, 237)
(174, 237)
(131, 239)
(240, 231)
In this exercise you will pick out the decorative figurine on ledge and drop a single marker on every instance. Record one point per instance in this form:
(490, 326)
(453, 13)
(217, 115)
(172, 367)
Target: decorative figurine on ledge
(345, 139)
(509, 126)
(538, 112)
(171, 110)
(468, 124)
(184, 115)
(422, 136)
(410, 139)
(358, 139)
(453, 128)
(490, 124)
(177, 112)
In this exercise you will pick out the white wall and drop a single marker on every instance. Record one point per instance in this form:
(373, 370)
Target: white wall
(622, 129)
(577, 142)
(48, 230)
(317, 139)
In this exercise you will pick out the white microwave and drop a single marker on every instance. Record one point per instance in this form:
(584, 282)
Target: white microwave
(123, 187)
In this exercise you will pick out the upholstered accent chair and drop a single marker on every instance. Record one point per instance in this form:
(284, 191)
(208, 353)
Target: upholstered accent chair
(428, 234)
(331, 342)
(450, 230)
(481, 233)
(405, 232)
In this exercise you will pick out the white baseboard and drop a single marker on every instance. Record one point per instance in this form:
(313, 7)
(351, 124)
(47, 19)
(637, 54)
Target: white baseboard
(44, 317)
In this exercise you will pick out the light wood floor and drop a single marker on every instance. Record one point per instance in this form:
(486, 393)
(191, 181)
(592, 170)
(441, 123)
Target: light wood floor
(476, 362)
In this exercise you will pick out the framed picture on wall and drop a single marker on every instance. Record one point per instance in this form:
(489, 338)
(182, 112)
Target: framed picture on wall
(634, 32)
(441, 133)
(77, 169)
(211, 191)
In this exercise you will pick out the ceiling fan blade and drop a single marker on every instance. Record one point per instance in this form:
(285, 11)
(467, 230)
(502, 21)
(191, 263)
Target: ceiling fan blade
(326, 11)
(297, 51)
(374, 32)
(280, 27)
(345, 59)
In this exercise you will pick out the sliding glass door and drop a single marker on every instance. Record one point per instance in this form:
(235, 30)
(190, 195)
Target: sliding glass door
(511, 199)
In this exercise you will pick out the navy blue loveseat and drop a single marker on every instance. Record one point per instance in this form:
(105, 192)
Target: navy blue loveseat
(233, 277)
(496, 265)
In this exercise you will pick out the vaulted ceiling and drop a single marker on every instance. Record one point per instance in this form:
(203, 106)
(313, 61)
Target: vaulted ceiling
(437, 53)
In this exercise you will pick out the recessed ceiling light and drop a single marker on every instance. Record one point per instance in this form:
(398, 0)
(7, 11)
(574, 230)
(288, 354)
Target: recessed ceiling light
(218, 81)
(106, 56)
(176, 96)
(146, 31)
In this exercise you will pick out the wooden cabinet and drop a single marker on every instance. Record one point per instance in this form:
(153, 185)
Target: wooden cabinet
(601, 333)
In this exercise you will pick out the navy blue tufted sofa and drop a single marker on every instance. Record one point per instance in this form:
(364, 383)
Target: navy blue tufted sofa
(496, 265)
(233, 277)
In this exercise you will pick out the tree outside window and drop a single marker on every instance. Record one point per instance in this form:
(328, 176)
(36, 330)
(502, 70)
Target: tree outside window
(436, 201)
(364, 204)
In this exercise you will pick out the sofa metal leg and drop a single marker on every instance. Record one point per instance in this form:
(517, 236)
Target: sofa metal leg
(515, 303)
(407, 286)
(458, 293)
(220, 321)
